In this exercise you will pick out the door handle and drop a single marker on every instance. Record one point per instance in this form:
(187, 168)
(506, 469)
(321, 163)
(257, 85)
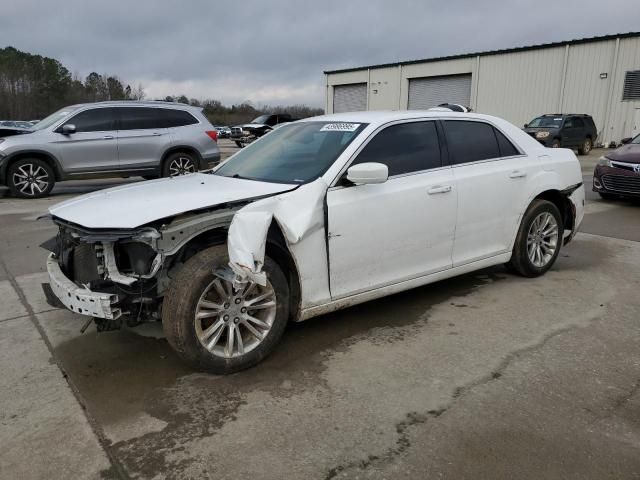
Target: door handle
(518, 174)
(439, 189)
(108, 137)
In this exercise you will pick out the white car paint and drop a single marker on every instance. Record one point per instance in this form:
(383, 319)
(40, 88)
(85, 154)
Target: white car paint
(352, 244)
(133, 205)
(374, 241)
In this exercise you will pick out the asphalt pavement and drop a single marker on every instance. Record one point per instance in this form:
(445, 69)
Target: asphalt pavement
(487, 375)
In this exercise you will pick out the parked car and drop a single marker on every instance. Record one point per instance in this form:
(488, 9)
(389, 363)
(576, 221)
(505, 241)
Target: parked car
(15, 124)
(264, 123)
(564, 130)
(108, 139)
(223, 132)
(318, 215)
(10, 131)
(617, 174)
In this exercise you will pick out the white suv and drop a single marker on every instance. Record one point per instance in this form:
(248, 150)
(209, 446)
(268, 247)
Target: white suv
(108, 139)
(318, 215)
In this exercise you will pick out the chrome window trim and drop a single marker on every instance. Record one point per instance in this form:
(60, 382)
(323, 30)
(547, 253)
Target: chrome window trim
(355, 154)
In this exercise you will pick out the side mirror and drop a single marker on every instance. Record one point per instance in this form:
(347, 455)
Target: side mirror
(526, 125)
(68, 129)
(368, 173)
(626, 140)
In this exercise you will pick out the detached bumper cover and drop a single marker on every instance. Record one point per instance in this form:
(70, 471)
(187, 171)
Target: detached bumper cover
(78, 299)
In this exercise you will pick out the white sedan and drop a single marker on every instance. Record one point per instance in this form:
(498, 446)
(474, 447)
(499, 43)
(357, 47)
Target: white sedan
(318, 215)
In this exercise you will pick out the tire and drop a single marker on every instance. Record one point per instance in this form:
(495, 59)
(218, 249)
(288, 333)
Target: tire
(149, 177)
(555, 143)
(30, 178)
(608, 196)
(587, 145)
(195, 284)
(179, 163)
(521, 261)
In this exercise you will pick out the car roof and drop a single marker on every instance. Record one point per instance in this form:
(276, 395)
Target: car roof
(566, 115)
(137, 103)
(382, 117)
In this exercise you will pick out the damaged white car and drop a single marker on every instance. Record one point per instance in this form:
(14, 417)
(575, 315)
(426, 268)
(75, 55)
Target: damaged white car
(318, 215)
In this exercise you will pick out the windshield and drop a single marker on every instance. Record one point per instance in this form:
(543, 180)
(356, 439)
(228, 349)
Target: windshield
(53, 118)
(546, 122)
(261, 119)
(294, 153)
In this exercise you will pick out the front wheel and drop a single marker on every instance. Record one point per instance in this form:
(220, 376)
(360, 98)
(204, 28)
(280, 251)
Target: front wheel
(30, 178)
(538, 241)
(216, 327)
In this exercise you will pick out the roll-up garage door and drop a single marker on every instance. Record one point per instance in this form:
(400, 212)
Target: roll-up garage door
(432, 91)
(350, 98)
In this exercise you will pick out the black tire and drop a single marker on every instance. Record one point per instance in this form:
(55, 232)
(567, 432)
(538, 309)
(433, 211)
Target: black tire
(555, 143)
(37, 174)
(179, 309)
(520, 262)
(179, 163)
(149, 177)
(587, 145)
(608, 196)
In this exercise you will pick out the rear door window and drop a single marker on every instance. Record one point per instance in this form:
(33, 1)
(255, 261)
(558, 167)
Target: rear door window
(139, 118)
(170, 118)
(470, 141)
(404, 148)
(506, 147)
(94, 120)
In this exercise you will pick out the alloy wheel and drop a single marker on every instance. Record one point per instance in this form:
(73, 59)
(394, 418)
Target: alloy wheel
(542, 239)
(31, 179)
(230, 323)
(587, 146)
(181, 166)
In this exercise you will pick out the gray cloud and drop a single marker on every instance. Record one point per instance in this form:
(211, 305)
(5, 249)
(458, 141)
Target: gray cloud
(275, 51)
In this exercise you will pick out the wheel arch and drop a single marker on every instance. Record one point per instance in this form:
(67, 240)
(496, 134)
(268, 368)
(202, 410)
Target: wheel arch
(276, 249)
(46, 157)
(178, 149)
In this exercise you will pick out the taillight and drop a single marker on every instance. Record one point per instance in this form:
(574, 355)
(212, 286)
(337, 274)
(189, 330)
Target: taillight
(213, 134)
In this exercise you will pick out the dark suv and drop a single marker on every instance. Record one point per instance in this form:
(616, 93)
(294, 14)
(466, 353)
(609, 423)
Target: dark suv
(576, 131)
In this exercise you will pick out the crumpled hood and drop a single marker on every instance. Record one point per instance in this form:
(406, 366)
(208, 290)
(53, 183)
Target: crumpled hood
(131, 206)
(627, 153)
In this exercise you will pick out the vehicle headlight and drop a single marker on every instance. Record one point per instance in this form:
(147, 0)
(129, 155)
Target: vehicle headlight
(542, 134)
(604, 162)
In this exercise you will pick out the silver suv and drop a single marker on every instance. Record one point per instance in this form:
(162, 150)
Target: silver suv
(108, 139)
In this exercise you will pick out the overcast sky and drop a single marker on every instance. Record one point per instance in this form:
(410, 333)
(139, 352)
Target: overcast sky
(274, 51)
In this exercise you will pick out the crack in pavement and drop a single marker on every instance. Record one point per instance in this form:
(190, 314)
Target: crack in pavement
(415, 418)
(117, 467)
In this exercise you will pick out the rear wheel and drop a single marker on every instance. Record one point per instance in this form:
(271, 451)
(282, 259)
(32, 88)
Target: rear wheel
(30, 178)
(555, 143)
(213, 325)
(179, 163)
(587, 145)
(538, 241)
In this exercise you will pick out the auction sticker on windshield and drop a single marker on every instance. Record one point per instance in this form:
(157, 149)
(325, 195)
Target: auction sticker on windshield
(340, 127)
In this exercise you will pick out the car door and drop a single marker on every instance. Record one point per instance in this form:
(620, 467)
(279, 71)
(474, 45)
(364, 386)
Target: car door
(573, 132)
(398, 230)
(142, 138)
(93, 147)
(490, 174)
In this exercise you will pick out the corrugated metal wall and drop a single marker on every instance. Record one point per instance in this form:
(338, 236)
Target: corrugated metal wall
(350, 98)
(521, 85)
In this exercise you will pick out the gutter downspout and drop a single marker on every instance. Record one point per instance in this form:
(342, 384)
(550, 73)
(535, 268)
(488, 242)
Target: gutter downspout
(564, 78)
(606, 134)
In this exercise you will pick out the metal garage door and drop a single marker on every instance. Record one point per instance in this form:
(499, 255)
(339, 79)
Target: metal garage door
(350, 98)
(432, 91)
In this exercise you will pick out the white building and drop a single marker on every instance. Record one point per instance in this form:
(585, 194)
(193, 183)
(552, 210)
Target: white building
(599, 76)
